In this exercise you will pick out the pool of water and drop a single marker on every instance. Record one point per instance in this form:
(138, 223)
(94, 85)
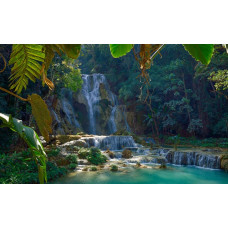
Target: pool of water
(171, 175)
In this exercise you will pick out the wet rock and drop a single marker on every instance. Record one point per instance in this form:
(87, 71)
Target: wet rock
(110, 153)
(71, 144)
(83, 162)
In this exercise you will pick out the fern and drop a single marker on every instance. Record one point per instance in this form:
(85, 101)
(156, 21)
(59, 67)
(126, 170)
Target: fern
(26, 59)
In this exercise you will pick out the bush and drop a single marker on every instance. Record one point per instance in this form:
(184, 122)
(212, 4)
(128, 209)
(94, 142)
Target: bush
(95, 157)
(93, 168)
(20, 168)
(83, 153)
(114, 168)
(72, 158)
(127, 153)
(54, 152)
(72, 166)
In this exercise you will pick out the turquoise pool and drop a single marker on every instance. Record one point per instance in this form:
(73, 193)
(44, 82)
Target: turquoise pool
(171, 175)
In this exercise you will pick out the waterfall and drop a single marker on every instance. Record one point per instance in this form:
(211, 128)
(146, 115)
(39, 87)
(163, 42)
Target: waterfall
(112, 123)
(191, 158)
(94, 109)
(110, 142)
(67, 107)
(91, 91)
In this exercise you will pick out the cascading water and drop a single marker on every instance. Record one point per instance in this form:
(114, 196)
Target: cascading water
(112, 123)
(67, 107)
(110, 142)
(92, 95)
(191, 158)
(91, 91)
(94, 109)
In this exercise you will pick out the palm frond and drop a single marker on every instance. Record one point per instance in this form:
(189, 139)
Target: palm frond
(26, 59)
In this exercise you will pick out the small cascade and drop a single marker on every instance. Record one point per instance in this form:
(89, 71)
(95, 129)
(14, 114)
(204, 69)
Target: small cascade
(68, 108)
(191, 158)
(110, 142)
(112, 123)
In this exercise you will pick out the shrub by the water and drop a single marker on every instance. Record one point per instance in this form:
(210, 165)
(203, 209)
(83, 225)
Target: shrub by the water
(93, 168)
(127, 154)
(72, 166)
(95, 156)
(72, 158)
(114, 168)
(83, 153)
(53, 152)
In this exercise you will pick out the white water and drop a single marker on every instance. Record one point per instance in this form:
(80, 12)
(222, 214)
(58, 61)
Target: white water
(110, 142)
(67, 107)
(91, 91)
(191, 158)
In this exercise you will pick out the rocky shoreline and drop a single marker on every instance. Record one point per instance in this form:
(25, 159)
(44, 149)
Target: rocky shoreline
(113, 147)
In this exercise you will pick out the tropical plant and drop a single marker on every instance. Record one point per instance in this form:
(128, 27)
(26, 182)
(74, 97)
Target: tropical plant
(32, 140)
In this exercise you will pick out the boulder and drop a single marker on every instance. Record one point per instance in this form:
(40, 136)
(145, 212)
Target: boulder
(127, 154)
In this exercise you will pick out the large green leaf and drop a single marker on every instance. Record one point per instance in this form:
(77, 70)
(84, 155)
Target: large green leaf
(32, 140)
(118, 50)
(201, 52)
(71, 50)
(26, 59)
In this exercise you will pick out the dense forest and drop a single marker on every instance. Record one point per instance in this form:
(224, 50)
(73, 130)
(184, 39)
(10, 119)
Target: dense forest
(182, 95)
(173, 95)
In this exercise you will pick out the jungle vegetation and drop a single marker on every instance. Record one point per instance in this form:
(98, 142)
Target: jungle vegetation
(176, 89)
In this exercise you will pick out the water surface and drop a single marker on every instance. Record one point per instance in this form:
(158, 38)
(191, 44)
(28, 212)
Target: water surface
(171, 175)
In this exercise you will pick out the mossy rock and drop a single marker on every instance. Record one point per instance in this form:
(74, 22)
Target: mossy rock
(122, 132)
(93, 168)
(110, 153)
(224, 162)
(61, 139)
(127, 154)
(114, 168)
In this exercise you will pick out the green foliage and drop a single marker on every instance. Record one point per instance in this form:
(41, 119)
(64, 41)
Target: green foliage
(25, 59)
(83, 153)
(72, 158)
(201, 52)
(65, 73)
(119, 50)
(93, 168)
(221, 79)
(20, 168)
(53, 152)
(175, 140)
(72, 166)
(71, 50)
(193, 141)
(195, 125)
(41, 114)
(32, 140)
(95, 157)
(114, 168)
